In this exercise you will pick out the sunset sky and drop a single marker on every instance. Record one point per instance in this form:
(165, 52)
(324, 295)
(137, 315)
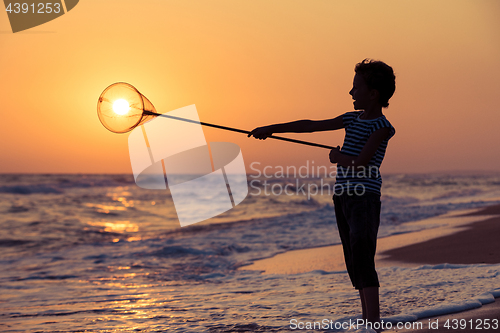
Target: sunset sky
(252, 63)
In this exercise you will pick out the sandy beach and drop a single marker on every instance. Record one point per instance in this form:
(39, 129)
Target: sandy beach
(465, 238)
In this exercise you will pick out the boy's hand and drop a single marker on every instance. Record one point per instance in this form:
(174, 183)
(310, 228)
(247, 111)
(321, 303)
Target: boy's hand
(261, 133)
(334, 155)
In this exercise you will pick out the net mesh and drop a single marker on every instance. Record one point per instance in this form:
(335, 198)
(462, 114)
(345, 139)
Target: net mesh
(121, 108)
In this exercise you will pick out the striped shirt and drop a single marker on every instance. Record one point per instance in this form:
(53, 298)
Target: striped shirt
(357, 132)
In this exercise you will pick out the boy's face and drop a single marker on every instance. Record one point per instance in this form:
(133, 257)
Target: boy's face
(363, 97)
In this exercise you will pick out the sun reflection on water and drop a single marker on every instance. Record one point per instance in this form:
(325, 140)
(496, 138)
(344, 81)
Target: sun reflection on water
(105, 209)
(121, 195)
(117, 227)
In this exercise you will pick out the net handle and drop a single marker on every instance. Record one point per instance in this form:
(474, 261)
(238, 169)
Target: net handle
(238, 130)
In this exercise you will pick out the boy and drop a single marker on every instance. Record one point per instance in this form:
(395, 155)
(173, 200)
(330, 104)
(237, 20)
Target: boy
(357, 189)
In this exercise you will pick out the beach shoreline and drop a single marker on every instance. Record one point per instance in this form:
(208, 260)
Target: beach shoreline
(475, 231)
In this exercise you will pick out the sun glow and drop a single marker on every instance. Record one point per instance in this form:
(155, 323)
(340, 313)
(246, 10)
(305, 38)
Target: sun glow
(121, 107)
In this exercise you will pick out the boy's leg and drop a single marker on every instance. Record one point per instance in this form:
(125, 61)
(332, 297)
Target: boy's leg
(370, 295)
(360, 247)
(363, 220)
(363, 303)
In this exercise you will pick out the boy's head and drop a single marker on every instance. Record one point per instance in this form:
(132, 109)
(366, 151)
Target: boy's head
(378, 76)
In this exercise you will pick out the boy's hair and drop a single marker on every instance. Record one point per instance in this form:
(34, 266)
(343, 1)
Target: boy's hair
(379, 76)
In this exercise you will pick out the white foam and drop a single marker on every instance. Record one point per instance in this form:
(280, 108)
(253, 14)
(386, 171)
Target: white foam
(463, 287)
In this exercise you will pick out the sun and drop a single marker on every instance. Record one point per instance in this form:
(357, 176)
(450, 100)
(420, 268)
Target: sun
(121, 107)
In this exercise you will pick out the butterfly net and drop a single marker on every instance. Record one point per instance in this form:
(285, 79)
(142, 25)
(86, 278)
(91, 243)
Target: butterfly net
(121, 108)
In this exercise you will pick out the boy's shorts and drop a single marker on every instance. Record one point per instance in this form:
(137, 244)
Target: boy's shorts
(358, 220)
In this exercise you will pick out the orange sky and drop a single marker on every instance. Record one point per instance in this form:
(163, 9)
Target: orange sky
(250, 63)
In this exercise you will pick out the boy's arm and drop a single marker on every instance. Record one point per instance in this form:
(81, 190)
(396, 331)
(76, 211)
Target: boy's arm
(299, 126)
(366, 153)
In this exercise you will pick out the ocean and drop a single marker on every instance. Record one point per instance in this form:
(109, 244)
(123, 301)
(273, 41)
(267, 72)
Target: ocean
(96, 253)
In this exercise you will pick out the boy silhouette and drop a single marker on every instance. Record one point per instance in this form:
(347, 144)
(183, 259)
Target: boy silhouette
(357, 188)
